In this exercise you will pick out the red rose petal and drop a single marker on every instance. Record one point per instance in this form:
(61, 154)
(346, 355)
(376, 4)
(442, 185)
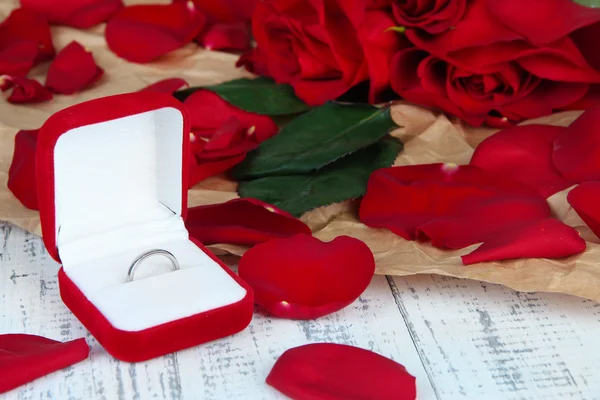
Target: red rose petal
(254, 61)
(200, 170)
(24, 358)
(72, 70)
(208, 112)
(143, 33)
(81, 14)
(226, 37)
(402, 199)
(242, 221)
(585, 199)
(18, 59)
(328, 371)
(21, 175)
(231, 140)
(484, 221)
(546, 238)
(543, 21)
(301, 277)
(227, 11)
(24, 25)
(27, 90)
(577, 149)
(523, 153)
(168, 86)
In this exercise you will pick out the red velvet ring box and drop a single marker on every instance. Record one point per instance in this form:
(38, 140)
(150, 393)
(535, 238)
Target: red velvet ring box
(112, 185)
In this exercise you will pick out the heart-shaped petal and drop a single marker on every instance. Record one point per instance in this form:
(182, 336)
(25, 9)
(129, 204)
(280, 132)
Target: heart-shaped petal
(577, 149)
(402, 199)
(21, 175)
(25, 90)
(142, 33)
(24, 358)
(301, 277)
(24, 25)
(546, 238)
(245, 222)
(523, 153)
(72, 70)
(80, 14)
(585, 199)
(168, 86)
(329, 371)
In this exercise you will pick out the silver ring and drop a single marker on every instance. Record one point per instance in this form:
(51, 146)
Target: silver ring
(136, 263)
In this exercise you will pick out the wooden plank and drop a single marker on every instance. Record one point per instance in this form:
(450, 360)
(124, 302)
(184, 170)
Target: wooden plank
(485, 341)
(231, 368)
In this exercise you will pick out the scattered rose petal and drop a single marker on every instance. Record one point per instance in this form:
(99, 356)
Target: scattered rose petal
(208, 112)
(21, 175)
(577, 149)
(26, 26)
(168, 86)
(205, 169)
(337, 371)
(25, 90)
(18, 59)
(301, 277)
(585, 199)
(72, 70)
(254, 61)
(245, 222)
(24, 358)
(80, 14)
(523, 153)
(142, 33)
(219, 36)
(226, 11)
(231, 139)
(546, 238)
(402, 199)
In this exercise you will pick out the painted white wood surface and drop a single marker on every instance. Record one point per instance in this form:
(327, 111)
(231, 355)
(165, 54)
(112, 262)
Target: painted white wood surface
(230, 368)
(461, 339)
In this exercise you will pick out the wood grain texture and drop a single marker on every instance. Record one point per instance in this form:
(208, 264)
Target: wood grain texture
(484, 341)
(230, 368)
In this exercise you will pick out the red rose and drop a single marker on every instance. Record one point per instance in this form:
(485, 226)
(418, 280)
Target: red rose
(498, 95)
(433, 16)
(322, 48)
(493, 70)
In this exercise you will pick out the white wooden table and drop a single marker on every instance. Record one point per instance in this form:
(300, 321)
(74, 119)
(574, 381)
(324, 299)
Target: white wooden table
(461, 339)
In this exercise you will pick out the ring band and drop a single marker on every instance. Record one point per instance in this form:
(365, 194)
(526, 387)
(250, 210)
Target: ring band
(150, 253)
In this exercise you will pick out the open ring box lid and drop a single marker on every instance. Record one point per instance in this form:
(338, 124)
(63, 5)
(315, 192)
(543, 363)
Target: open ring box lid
(112, 184)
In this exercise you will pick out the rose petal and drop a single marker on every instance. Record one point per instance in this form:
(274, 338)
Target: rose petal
(244, 222)
(484, 221)
(80, 14)
(24, 25)
(301, 277)
(142, 33)
(27, 90)
(254, 61)
(208, 112)
(230, 140)
(524, 154)
(24, 358)
(22, 175)
(585, 199)
(226, 37)
(577, 149)
(337, 371)
(17, 59)
(543, 21)
(72, 70)
(200, 170)
(546, 238)
(227, 11)
(402, 199)
(168, 86)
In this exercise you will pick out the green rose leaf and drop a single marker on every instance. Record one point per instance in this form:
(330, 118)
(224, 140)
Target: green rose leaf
(344, 179)
(589, 3)
(261, 95)
(315, 139)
